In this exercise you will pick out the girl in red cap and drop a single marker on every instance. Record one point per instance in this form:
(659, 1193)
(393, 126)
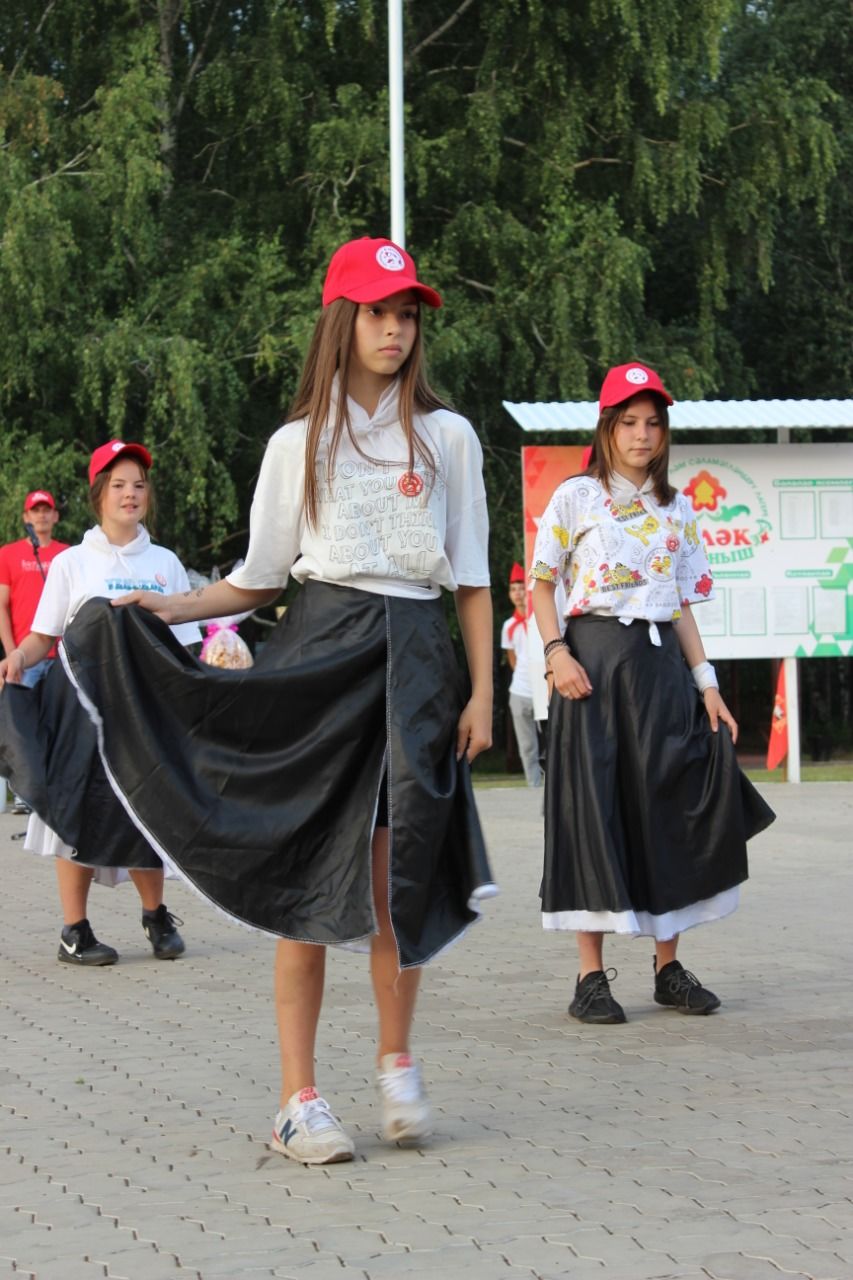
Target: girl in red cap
(646, 812)
(324, 796)
(76, 818)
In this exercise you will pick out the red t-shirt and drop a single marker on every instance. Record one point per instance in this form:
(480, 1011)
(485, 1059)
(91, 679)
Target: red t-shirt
(19, 571)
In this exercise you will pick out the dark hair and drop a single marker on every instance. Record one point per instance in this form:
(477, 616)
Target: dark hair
(96, 492)
(330, 352)
(601, 464)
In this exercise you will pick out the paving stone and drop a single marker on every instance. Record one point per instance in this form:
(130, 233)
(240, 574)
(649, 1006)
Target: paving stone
(632, 1153)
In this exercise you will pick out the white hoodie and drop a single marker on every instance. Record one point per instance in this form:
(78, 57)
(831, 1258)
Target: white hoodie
(379, 527)
(96, 567)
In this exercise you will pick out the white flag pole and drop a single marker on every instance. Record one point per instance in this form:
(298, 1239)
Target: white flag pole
(395, 104)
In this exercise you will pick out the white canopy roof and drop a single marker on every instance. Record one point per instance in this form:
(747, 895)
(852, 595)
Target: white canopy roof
(728, 415)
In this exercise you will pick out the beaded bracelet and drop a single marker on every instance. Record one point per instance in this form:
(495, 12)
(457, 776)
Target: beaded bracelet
(559, 643)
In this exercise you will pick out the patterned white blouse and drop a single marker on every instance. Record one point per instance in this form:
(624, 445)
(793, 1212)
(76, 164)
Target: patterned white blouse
(621, 554)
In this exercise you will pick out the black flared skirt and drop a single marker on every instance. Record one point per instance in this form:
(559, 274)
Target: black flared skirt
(647, 813)
(49, 753)
(260, 787)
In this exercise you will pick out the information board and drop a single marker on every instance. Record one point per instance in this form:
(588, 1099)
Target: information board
(777, 522)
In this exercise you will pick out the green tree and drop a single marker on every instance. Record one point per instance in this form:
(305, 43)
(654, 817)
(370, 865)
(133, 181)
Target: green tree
(587, 182)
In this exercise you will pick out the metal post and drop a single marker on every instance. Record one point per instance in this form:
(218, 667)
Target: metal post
(792, 707)
(792, 689)
(395, 106)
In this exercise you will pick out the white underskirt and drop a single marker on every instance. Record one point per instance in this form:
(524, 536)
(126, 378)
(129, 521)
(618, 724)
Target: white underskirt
(42, 840)
(643, 923)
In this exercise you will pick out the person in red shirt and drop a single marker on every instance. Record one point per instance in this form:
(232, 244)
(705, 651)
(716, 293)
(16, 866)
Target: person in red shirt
(24, 567)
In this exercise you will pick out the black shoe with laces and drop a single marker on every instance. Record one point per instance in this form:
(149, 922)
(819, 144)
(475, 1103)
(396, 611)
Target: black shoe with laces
(678, 988)
(78, 945)
(159, 926)
(593, 1001)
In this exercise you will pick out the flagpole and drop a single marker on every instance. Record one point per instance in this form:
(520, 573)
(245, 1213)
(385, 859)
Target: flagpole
(395, 109)
(792, 706)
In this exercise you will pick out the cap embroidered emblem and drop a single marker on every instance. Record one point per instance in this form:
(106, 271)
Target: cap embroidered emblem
(117, 446)
(390, 258)
(637, 377)
(410, 484)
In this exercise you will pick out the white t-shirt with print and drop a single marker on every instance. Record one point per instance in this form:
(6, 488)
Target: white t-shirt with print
(622, 553)
(96, 567)
(380, 527)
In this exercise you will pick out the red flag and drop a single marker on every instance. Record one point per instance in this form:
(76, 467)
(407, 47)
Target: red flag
(777, 747)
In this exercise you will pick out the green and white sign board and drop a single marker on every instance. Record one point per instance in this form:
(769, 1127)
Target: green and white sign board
(777, 523)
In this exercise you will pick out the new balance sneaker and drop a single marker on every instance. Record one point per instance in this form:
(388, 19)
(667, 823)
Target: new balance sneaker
(306, 1130)
(159, 926)
(678, 988)
(593, 1001)
(78, 945)
(406, 1115)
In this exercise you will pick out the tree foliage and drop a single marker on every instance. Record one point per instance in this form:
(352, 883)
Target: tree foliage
(587, 182)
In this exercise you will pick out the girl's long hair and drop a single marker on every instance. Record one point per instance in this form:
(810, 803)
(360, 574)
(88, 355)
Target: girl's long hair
(602, 465)
(330, 352)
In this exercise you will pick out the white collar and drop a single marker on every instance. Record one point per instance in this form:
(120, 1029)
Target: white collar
(621, 489)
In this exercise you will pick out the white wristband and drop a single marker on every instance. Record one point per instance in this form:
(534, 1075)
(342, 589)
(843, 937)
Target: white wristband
(704, 676)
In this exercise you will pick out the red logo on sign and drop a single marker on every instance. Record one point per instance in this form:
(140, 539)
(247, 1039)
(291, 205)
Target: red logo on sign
(410, 484)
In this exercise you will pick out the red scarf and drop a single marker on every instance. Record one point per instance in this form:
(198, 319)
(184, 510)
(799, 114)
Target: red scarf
(518, 619)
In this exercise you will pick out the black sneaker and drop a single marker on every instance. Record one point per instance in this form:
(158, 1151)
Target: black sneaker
(593, 1001)
(20, 807)
(78, 945)
(160, 931)
(678, 988)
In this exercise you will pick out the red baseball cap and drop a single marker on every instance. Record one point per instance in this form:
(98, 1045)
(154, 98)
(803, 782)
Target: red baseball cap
(37, 496)
(107, 453)
(516, 574)
(627, 380)
(366, 270)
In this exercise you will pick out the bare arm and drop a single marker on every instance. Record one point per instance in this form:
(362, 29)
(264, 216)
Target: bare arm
(7, 639)
(694, 652)
(570, 679)
(218, 600)
(511, 657)
(474, 608)
(31, 650)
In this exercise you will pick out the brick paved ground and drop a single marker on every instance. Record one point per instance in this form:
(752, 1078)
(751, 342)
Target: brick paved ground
(136, 1100)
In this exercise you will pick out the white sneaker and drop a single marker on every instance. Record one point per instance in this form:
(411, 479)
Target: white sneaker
(406, 1115)
(307, 1131)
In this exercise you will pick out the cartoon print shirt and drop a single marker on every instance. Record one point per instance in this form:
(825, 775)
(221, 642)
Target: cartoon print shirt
(380, 526)
(621, 554)
(96, 567)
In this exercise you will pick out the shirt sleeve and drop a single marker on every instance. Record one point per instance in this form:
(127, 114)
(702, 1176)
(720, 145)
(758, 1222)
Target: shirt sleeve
(553, 547)
(5, 567)
(466, 540)
(506, 643)
(694, 577)
(277, 515)
(51, 615)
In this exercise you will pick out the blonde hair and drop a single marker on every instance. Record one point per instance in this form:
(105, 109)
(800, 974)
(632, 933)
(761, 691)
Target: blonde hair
(330, 352)
(601, 464)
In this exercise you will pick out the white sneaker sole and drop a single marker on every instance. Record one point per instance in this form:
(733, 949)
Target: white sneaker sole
(335, 1155)
(408, 1133)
